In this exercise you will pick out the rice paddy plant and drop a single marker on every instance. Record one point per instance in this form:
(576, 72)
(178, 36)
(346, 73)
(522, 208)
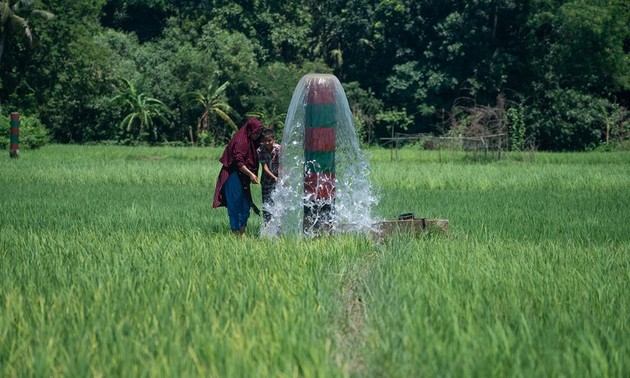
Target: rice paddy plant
(114, 264)
(573, 200)
(170, 303)
(444, 307)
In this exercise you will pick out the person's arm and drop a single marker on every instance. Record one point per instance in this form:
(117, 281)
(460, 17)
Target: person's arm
(268, 171)
(240, 158)
(250, 174)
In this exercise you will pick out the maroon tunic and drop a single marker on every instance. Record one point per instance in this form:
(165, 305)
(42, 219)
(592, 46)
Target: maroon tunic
(240, 151)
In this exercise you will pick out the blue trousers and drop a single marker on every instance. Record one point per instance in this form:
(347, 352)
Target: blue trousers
(237, 202)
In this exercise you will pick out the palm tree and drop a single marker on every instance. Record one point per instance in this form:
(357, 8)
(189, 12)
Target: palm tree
(10, 20)
(273, 120)
(213, 102)
(142, 110)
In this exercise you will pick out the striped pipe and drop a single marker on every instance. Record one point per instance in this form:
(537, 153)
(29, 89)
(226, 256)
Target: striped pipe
(14, 147)
(319, 152)
(319, 139)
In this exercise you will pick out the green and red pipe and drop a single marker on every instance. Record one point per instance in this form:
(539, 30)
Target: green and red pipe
(319, 151)
(14, 146)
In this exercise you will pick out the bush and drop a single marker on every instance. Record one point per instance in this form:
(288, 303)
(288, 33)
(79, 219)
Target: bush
(205, 139)
(568, 120)
(32, 133)
(516, 128)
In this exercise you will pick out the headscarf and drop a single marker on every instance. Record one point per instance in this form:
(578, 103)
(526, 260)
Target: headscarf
(241, 150)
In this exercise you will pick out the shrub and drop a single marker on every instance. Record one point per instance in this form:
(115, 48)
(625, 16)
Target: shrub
(32, 133)
(567, 120)
(205, 139)
(516, 128)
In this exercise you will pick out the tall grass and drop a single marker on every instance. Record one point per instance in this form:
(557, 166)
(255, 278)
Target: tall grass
(565, 197)
(532, 280)
(114, 264)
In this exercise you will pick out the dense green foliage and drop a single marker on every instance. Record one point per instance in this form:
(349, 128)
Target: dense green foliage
(114, 264)
(32, 134)
(564, 64)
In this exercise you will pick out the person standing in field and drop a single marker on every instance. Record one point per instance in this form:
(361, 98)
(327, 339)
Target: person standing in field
(269, 157)
(239, 169)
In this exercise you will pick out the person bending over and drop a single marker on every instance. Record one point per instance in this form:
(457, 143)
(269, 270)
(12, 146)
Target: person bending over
(239, 169)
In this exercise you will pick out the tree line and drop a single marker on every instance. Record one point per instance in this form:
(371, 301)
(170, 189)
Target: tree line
(190, 71)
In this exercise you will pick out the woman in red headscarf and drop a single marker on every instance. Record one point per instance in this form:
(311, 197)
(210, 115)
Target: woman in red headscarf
(239, 170)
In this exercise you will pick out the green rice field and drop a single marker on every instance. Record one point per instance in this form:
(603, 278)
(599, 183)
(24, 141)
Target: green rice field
(113, 263)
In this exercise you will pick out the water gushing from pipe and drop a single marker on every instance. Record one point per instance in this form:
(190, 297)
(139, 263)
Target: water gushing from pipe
(323, 185)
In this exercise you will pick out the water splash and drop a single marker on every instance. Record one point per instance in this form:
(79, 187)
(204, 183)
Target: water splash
(320, 192)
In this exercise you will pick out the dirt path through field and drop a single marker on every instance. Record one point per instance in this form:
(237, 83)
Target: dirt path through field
(352, 332)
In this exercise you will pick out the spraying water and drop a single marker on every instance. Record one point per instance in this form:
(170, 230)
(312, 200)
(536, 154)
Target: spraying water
(323, 185)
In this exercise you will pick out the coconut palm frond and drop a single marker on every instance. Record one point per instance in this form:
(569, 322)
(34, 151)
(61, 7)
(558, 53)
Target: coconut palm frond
(43, 14)
(213, 101)
(143, 109)
(226, 118)
(12, 21)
